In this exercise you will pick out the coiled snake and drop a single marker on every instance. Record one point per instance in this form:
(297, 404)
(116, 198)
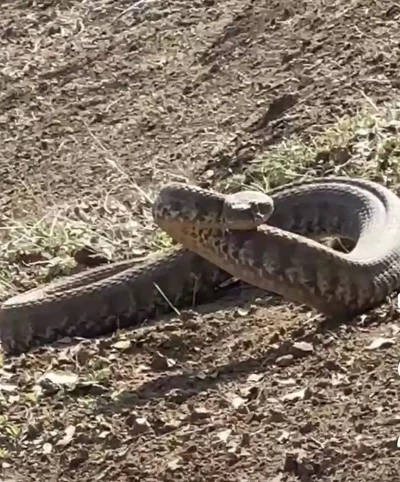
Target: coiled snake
(227, 234)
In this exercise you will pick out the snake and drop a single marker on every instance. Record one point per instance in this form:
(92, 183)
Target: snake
(271, 241)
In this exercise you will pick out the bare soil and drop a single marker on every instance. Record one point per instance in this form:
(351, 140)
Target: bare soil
(248, 389)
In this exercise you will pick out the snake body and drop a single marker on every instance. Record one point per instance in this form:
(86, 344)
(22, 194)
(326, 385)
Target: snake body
(226, 235)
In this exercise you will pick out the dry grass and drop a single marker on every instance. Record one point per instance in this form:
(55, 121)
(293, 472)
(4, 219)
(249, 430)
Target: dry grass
(366, 145)
(35, 250)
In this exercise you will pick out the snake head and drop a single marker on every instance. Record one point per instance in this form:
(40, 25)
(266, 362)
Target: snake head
(246, 210)
(181, 203)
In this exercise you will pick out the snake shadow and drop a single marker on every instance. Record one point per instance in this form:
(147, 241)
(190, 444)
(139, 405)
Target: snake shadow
(179, 388)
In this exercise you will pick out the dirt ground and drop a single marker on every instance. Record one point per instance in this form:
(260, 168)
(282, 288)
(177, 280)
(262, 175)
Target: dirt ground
(250, 388)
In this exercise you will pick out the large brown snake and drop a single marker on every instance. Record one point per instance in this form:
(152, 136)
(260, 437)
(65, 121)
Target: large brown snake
(225, 232)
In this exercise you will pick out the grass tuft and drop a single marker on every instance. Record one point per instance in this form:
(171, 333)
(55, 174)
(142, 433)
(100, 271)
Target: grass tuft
(367, 146)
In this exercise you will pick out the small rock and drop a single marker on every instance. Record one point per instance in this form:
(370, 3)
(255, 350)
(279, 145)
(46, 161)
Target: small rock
(338, 379)
(69, 433)
(138, 424)
(283, 437)
(60, 378)
(122, 344)
(302, 394)
(276, 416)
(88, 256)
(301, 348)
(243, 311)
(392, 420)
(392, 443)
(277, 478)
(306, 428)
(285, 360)
(47, 448)
(78, 352)
(237, 402)
(7, 387)
(286, 382)
(299, 464)
(51, 382)
(381, 343)
(255, 377)
(209, 174)
(161, 362)
(201, 375)
(174, 464)
(224, 435)
(81, 457)
(333, 365)
(199, 413)
(395, 329)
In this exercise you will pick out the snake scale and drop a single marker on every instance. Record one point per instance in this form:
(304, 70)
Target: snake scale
(225, 235)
